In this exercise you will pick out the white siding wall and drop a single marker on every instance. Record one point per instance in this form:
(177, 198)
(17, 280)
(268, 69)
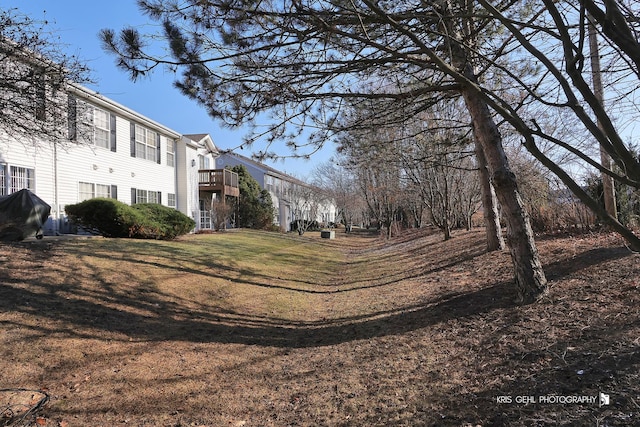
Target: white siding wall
(83, 163)
(38, 157)
(60, 169)
(326, 212)
(191, 176)
(183, 163)
(187, 160)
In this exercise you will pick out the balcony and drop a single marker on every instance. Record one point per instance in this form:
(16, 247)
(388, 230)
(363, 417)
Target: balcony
(221, 181)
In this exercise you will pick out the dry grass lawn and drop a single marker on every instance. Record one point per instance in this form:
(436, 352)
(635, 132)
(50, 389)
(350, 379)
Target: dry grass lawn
(262, 329)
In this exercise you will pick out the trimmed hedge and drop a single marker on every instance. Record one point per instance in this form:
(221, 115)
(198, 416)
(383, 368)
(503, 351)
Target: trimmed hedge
(168, 223)
(112, 218)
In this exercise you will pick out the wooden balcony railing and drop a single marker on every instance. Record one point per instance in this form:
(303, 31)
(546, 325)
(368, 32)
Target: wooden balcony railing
(221, 181)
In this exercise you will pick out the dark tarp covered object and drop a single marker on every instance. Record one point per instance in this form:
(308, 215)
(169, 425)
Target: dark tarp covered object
(21, 215)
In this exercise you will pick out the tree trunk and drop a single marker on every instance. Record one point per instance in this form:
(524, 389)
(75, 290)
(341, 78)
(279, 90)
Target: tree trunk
(445, 196)
(608, 188)
(446, 228)
(495, 242)
(531, 283)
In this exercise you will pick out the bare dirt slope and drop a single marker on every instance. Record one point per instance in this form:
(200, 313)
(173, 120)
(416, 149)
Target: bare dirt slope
(409, 332)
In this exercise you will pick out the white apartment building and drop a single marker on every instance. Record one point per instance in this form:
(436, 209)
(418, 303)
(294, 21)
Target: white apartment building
(121, 154)
(292, 198)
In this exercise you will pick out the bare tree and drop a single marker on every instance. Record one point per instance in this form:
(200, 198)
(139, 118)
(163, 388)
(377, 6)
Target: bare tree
(372, 156)
(413, 209)
(35, 75)
(339, 184)
(437, 158)
(381, 191)
(221, 212)
(305, 204)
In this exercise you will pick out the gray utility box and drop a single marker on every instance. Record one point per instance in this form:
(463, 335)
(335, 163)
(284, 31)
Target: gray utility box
(328, 234)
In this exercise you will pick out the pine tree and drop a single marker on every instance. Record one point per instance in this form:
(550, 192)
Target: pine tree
(255, 207)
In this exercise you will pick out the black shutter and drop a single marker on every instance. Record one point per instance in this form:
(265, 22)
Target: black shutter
(159, 197)
(133, 139)
(114, 192)
(41, 95)
(158, 147)
(72, 117)
(112, 119)
(133, 196)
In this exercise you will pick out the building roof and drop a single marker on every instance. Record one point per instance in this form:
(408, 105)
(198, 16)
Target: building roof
(102, 101)
(196, 136)
(267, 169)
(204, 140)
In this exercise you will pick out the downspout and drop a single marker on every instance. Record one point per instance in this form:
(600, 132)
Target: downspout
(56, 223)
(176, 189)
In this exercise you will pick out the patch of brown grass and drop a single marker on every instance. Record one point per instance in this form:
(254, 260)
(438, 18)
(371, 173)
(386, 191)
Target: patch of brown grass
(261, 329)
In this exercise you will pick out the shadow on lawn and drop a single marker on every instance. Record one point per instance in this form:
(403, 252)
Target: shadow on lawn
(87, 318)
(148, 314)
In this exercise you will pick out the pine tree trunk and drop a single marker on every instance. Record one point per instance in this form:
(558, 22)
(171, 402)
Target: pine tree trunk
(531, 283)
(495, 242)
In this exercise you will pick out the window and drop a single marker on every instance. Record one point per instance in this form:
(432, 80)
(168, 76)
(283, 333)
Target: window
(171, 200)
(91, 124)
(141, 196)
(153, 197)
(171, 153)
(144, 196)
(145, 144)
(203, 162)
(88, 190)
(103, 191)
(3, 180)
(21, 178)
(101, 128)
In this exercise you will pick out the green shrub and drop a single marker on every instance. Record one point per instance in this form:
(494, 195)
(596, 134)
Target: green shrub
(165, 222)
(112, 218)
(107, 217)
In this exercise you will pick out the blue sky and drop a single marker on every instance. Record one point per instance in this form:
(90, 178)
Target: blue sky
(77, 23)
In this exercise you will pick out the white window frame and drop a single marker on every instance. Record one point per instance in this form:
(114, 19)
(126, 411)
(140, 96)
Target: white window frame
(146, 143)
(171, 200)
(152, 197)
(3, 179)
(90, 190)
(103, 191)
(204, 162)
(141, 196)
(171, 152)
(86, 191)
(146, 196)
(21, 178)
(101, 128)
